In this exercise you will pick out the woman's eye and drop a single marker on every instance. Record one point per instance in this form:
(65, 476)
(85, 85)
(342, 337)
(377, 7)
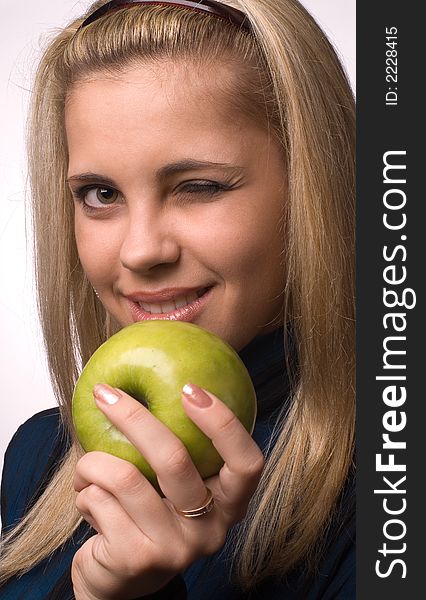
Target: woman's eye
(94, 197)
(207, 188)
(97, 196)
(101, 195)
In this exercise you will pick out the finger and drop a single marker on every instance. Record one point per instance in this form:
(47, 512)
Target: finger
(125, 482)
(98, 505)
(243, 458)
(91, 521)
(120, 549)
(177, 475)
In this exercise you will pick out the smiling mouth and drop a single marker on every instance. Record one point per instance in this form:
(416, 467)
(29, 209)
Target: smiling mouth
(180, 308)
(172, 304)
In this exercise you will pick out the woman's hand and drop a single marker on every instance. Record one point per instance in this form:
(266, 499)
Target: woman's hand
(142, 541)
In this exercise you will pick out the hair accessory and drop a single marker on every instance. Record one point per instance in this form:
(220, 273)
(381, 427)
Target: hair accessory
(202, 510)
(209, 7)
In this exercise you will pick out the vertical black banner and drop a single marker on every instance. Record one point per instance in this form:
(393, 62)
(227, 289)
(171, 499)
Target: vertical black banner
(391, 334)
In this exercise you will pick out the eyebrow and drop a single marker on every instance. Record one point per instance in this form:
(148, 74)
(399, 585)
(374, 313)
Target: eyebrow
(164, 172)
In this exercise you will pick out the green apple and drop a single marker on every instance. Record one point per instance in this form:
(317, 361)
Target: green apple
(152, 361)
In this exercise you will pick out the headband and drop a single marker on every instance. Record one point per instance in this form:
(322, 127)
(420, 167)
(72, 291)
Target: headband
(209, 7)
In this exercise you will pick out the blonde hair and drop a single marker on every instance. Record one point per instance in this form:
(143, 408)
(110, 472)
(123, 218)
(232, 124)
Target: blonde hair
(291, 81)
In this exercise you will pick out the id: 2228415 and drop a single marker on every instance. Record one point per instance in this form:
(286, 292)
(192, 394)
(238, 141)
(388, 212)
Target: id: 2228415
(391, 66)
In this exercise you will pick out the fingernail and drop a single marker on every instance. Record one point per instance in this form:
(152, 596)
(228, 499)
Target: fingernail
(196, 395)
(105, 394)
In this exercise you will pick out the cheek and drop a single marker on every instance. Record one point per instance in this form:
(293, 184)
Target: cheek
(97, 250)
(244, 243)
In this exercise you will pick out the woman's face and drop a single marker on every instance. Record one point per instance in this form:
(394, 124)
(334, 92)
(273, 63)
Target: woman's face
(177, 202)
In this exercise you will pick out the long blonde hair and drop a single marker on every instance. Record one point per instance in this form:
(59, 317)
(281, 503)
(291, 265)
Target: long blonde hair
(289, 79)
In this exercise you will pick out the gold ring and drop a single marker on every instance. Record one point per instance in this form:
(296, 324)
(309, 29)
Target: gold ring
(202, 510)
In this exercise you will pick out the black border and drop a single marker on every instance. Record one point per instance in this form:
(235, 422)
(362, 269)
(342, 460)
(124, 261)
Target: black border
(382, 128)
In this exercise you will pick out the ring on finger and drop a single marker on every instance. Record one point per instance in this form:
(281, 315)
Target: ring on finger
(201, 510)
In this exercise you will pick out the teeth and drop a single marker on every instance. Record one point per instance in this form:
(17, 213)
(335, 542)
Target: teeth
(191, 297)
(167, 307)
(155, 309)
(180, 301)
(171, 305)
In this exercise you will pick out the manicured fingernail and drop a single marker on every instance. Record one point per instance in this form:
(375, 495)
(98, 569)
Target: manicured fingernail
(105, 394)
(196, 395)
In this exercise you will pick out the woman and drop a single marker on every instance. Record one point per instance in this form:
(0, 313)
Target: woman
(203, 157)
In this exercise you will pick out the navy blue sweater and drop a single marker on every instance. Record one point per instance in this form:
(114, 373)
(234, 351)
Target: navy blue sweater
(40, 442)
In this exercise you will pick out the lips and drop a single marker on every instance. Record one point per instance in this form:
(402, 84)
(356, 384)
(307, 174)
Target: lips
(179, 304)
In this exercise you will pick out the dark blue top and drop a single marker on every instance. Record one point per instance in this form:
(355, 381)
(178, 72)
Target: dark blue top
(40, 442)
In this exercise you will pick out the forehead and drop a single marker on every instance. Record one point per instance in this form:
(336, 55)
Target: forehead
(153, 108)
(153, 94)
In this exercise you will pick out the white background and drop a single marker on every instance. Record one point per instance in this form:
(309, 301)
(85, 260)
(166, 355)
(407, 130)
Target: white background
(25, 388)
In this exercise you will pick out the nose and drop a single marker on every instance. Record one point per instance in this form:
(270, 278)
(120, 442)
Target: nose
(149, 239)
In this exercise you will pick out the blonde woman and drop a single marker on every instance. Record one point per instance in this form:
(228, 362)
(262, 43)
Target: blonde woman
(194, 161)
